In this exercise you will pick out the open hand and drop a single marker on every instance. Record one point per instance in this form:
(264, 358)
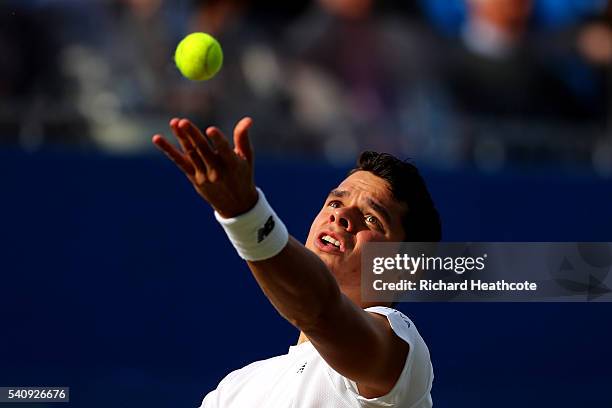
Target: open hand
(222, 176)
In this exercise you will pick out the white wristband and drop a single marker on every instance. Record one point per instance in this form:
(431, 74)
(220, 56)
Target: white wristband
(257, 234)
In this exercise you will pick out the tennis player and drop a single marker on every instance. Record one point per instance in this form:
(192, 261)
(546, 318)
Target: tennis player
(350, 353)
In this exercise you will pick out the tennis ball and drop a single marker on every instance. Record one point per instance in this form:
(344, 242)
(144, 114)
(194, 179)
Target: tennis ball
(198, 56)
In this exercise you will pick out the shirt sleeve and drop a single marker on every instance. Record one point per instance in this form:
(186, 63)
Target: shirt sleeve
(413, 387)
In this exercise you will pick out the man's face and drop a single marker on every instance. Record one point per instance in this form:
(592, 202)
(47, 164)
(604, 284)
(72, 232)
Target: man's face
(361, 209)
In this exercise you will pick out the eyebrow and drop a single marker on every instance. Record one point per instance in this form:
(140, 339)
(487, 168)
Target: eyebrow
(339, 193)
(371, 202)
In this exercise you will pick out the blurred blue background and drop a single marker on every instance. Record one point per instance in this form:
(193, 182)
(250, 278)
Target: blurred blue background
(117, 282)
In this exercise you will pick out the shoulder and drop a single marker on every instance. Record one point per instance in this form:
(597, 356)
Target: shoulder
(401, 325)
(253, 369)
(418, 357)
(413, 386)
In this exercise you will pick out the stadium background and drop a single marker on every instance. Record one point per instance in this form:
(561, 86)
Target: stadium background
(116, 280)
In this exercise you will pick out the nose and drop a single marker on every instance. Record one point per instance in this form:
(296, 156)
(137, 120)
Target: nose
(342, 217)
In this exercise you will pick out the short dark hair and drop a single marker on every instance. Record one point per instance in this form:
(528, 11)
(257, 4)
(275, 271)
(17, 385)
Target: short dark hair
(421, 223)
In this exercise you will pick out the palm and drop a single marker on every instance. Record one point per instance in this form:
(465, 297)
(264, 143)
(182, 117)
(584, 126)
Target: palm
(222, 176)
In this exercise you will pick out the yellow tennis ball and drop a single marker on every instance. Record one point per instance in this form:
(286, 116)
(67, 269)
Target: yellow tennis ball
(198, 56)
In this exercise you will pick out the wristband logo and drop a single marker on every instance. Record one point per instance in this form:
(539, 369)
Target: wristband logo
(264, 231)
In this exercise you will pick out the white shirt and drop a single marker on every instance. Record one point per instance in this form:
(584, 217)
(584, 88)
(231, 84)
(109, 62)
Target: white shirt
(302, 379)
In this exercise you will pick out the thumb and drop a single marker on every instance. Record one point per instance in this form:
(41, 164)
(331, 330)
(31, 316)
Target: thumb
(242, 144)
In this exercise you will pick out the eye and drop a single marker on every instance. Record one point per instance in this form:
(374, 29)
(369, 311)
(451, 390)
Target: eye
(373, 220)
(334, 204)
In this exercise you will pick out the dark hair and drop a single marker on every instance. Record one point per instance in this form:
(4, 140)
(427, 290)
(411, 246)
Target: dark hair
(421, 223)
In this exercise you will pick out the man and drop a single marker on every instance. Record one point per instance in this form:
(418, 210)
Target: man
(346, 356)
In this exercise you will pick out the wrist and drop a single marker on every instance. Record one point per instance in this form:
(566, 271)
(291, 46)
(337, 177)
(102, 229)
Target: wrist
(258, 233)
(233, 210)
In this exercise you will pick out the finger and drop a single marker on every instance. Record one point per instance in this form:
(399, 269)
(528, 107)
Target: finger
(219, 141)
(200, 159)
(173, 154)
(242, 143)
(200, 176)
(183, 140)
(197, 139)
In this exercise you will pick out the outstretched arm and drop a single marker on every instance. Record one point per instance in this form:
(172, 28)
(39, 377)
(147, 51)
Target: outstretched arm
(359, 345)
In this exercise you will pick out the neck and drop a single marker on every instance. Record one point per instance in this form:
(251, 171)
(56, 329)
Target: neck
(302, 338)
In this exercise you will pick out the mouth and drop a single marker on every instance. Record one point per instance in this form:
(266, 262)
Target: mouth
(329, 242)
